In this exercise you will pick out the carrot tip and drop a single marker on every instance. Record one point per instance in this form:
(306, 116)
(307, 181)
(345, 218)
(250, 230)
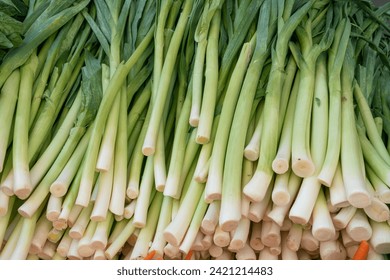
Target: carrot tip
(150, 255)
(189, 255)
(362, 251)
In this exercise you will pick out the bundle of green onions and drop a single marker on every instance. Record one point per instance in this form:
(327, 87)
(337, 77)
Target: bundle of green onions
(206, 129)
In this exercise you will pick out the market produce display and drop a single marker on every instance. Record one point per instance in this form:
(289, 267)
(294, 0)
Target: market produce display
(205, 129)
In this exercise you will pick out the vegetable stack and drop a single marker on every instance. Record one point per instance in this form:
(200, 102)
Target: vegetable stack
(207, 129)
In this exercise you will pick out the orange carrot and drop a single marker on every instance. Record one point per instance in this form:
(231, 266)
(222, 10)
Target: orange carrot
(189, 255)
(362, 251)
(150, 255)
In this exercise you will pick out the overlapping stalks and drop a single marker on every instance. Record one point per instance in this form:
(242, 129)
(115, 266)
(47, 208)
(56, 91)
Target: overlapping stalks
(196, 129)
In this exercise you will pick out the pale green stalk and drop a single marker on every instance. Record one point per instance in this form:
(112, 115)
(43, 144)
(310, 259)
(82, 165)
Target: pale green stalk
(351, 153)
(211, 82)
(230, 213)
(131, 142)
(198, 83)
(139, 105)
(159, 157)
(172, 187)
(141, 79)
(372, 157)
(175, 231)
(12, 239)
(5, 219)
(99, 239)
(194, 227)
(281, 163)
(104, 109)
(53, 208)
(164, 82)
(302, 208)
(41, 166)
(114, 247)
(61, 43)
(30, 205)
(146, 234)
(205, 154)
(164, 219)
(335, 62)
(145, 191)
(257, 187)
(20, 251)
(84, 248)
(69, 201)
(382, 191)
(159, 41)
(60, 186)
(118, 194)
(291, 72)
(369, 124)
(79, 225)
(136, 161)
(251, 151)
(201, 34)
(187, 182)
(301, 160)
(119, 236)
(215, 176)
(278, 213)
(101, 205)
(55, 235)
(4, 203)
(107, 148)
(236, 39)
(8, 97)
(22, 182)
(323, 228)
(280, 195)
(191, 155)
(160, 170)
(116, 22)
(50, 110)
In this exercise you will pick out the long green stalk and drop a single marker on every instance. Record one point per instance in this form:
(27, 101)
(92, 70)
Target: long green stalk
(164, 219)
(281, 163)
(175, 231)
(369, 123)
(8, 97)
(40, 167)
(257, 187)
(214, 181)
(118, 194)
(194, 227)
(335, 61)
(351, 153)
(144, 196)
(304, 203)
(61, 43)
(136, 161)
(62, 88)
(301, 161)
(22, 182)
(163, 87)
(146, 234)
(22, 247)
(230, 213)
(98, 128)
(172, 187)
(211, 82)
